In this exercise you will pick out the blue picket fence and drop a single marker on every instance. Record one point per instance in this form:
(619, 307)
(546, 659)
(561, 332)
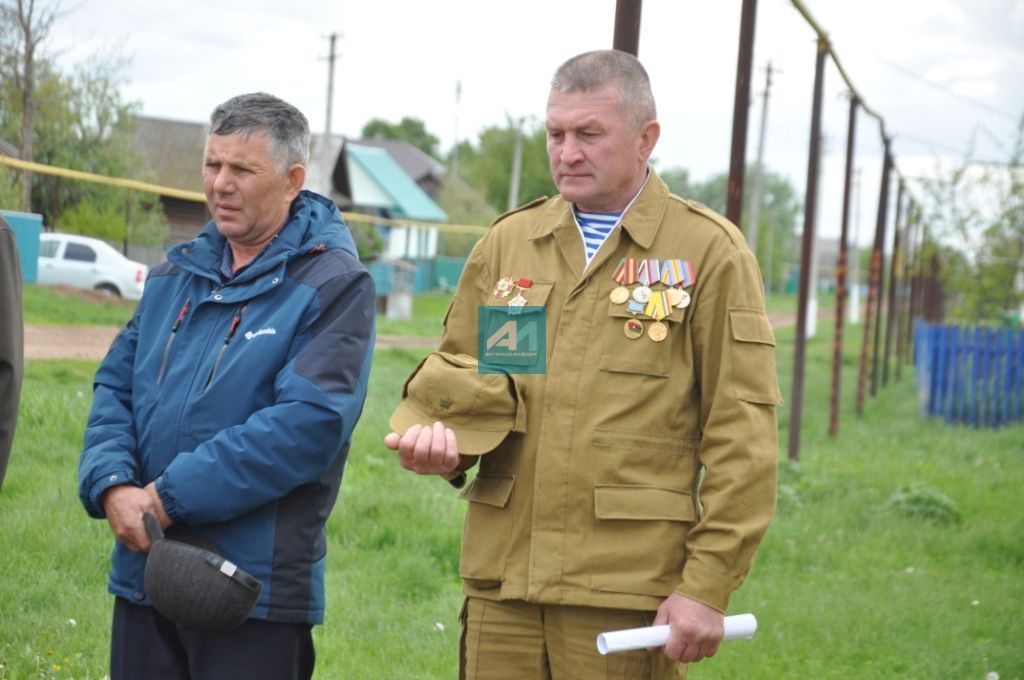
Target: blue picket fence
(973, 376)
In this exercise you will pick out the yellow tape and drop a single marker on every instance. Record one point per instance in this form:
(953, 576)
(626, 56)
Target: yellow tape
(201, 198)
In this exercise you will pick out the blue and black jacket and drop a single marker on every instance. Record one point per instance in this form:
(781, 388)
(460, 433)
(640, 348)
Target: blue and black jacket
(239, 401)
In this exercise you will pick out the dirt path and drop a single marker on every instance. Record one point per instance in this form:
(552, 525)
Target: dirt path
(92, 342)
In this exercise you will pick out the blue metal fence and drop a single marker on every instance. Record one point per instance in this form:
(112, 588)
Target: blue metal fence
(973, 376)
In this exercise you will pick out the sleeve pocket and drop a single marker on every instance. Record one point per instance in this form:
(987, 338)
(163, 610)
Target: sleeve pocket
(753, 357)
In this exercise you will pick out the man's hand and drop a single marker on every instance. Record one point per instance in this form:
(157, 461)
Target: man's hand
(426, 450)
(696, 629)
(125, 505)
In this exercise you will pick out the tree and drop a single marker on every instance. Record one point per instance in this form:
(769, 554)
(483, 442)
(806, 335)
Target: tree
(26, 26)
(411, 130)
(81, 123)
(977, 213)
(487, 167)
(781, 209)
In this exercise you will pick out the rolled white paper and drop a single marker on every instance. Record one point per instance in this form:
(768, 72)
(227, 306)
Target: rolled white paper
(737, 627)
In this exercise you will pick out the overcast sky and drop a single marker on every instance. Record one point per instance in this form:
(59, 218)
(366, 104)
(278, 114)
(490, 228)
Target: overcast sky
(941, 72)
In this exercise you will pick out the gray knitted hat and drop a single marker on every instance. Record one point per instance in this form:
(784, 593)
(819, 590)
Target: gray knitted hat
(192, 585)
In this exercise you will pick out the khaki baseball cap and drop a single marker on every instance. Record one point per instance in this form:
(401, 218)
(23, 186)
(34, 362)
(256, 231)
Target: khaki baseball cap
(481, 409)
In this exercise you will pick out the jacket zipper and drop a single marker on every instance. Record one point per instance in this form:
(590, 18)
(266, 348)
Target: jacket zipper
(235, 321)
(170, 339)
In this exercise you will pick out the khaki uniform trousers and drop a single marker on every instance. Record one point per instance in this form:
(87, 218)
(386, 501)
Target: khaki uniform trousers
(516, 640)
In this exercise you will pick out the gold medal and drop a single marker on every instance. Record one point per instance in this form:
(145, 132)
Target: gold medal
(619, 295)
(642, 294)
(633, 329)
(657, 331)
(675, 296)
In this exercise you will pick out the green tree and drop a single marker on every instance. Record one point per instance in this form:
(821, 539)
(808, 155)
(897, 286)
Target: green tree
(487, 166)
(781, 210)
(977, 214)
(81, 123)
(411, 130)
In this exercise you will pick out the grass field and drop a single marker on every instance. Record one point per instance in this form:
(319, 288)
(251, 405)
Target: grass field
(848, 584)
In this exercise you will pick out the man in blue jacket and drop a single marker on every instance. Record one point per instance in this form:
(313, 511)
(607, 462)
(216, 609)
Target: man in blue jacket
(225, 407)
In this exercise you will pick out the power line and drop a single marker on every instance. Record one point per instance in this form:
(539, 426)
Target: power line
(943, 88)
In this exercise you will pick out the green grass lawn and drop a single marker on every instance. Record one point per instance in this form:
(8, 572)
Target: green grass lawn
(48, 305)
(846, 585)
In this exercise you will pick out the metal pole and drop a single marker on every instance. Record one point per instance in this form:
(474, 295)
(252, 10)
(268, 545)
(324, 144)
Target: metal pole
(754, 217)
(740, 112)
(837, 349)
(876, 265)
(883, 216)
(893, 313)
(906, 337)
(627, 26)
(796, 401)
(330, 88)
(517, 167)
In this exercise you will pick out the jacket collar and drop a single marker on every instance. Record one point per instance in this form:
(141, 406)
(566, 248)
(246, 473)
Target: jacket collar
(640, 221)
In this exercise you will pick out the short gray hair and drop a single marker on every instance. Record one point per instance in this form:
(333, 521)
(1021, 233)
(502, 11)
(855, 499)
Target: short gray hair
(594, 70)
(286, 128)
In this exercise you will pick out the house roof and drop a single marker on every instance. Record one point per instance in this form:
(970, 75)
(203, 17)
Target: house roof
(377, 181)
(414, 162)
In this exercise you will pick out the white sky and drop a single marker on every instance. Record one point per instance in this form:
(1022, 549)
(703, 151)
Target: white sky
(404, 57)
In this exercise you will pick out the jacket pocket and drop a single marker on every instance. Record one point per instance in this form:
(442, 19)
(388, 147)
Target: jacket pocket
(487, 531)
(641, 355)
(639, 538)
(753, 357)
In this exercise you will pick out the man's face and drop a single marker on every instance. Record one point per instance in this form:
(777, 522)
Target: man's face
(248, 196)
(598, 156)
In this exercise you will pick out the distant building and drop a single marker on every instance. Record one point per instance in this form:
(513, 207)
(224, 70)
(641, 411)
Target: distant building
(383, 178)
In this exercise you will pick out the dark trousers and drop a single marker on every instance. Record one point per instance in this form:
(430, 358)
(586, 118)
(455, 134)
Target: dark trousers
(147, 646)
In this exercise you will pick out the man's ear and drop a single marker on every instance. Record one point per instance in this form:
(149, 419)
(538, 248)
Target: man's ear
(648, 137)
(296, 177)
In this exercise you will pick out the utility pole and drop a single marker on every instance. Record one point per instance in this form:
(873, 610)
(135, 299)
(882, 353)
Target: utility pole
(755, 194)
(517, 167)
(330, 86)
(455, 147)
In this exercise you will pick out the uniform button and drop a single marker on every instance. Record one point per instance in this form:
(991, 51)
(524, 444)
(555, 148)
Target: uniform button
(218, 296)
(113, 478)
(139, 595)
(276, 281)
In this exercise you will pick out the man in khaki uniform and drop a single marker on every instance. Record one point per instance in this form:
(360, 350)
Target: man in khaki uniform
(644, 478)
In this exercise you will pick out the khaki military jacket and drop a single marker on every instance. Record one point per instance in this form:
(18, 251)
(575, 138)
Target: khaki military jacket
(646, 467)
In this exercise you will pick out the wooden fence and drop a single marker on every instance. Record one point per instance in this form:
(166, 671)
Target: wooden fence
(973, 376)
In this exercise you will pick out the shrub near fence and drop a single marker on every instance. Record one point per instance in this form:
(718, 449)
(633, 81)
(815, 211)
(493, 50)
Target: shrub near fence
(973, 376)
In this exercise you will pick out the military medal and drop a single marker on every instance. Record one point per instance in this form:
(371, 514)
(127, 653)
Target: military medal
(677, 272)
(619, 295)
(633, 329)
(503, 288)
(658, 308)
(684, 299)
(675, 296)
(624, 275)
(641, 294)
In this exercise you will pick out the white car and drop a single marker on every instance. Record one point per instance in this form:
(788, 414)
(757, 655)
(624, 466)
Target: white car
(83, 262)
